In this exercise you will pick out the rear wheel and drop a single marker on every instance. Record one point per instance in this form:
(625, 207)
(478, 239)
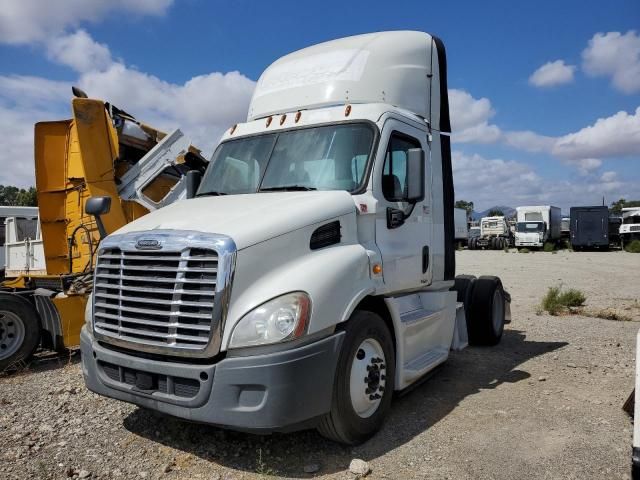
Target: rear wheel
(485, 318)
(19, 330)
(363, 385)
(464, 286)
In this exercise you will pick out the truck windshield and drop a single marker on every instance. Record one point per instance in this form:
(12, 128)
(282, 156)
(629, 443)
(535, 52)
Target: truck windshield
(333, 157)
(530, 227)
(631, 219)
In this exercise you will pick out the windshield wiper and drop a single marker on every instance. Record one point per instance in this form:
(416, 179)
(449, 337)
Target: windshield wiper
(288, 188)
(211, 194)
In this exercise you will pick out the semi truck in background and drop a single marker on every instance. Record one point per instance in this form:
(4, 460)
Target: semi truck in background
(461, 226)
(102, 151)
(495, 234)
(630, 227)
(589, 227)
(313, 274)
(565, 228)
(537, 225)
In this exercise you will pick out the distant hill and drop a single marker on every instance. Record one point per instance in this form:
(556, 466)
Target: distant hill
(508, 211)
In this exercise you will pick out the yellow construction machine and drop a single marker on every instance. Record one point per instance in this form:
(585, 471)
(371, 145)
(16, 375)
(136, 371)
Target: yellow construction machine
(101, 152)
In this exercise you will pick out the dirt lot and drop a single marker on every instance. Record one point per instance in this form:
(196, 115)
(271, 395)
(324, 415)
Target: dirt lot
(545, 403)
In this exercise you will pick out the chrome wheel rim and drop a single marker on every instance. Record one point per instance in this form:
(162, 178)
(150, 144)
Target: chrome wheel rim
(368, 378)
(498, 310)
(12, 334)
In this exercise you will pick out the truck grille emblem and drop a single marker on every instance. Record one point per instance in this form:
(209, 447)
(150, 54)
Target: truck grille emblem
(148, 244)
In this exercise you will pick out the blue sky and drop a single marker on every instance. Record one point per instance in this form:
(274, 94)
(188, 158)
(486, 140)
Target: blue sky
(567, 135)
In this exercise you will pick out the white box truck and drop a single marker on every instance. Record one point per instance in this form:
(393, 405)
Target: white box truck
(313, 273)
(537, 225)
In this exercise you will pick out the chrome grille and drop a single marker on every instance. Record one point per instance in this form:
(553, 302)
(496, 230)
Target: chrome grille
(164, 299)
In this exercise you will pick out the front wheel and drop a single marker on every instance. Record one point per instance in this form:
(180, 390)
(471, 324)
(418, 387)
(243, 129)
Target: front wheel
(19, 330)
(364, 381)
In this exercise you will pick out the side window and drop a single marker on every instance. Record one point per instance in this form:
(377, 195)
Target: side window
(394, 173)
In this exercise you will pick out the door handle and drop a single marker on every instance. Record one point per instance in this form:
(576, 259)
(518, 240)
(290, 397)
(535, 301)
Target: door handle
(425, 258)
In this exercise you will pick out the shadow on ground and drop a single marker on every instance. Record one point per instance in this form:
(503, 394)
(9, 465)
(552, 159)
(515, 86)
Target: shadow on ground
(466, 373)
(42, 361)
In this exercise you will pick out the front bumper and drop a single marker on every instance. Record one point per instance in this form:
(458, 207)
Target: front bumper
(275, 392)
(525, 243)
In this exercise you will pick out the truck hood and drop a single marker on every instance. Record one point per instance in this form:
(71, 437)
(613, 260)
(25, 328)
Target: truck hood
(247, 219)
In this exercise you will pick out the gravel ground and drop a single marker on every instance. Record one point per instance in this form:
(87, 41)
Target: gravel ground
(545, 403)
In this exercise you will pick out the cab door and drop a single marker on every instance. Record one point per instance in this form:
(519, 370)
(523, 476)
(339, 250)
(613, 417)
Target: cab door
(406, 256)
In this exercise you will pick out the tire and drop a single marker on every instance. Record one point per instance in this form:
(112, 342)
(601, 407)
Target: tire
(464, 287)
(493, 244)
(19, 330)
(470, 244)
(485, 323)
(344, 423)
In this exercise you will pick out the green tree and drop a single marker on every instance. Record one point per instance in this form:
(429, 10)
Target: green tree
(468, 206)
(494, 212)
(27, 198)
(14, 196)
(616, 207)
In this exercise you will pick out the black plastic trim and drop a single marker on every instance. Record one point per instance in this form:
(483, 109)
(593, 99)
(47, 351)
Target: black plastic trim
(448, 196)
(445, 122)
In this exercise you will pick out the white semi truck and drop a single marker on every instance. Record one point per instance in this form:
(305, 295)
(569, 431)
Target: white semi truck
(313, 274)
(495, 234)
(630, 227)
(537, 225)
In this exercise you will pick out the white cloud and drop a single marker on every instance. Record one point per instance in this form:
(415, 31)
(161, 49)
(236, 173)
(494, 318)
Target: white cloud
(617, 56)
(614, 136)
(79, 51)
(203, 107)
(490, 182)
(27, 90)
(28, 21)
(528, 141)
(586, 165)
(552, 73)
(470, 118)
(609, 176)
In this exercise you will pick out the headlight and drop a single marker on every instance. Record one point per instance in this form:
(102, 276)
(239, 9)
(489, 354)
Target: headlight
(279, 320)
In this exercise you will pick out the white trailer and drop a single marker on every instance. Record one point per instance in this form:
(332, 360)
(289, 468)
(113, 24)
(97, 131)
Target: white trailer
(313, 274)
(537, 225)
(22, 250)
(461, 225)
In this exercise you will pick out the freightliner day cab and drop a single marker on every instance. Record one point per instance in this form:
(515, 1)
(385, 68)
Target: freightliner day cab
(314, 273)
